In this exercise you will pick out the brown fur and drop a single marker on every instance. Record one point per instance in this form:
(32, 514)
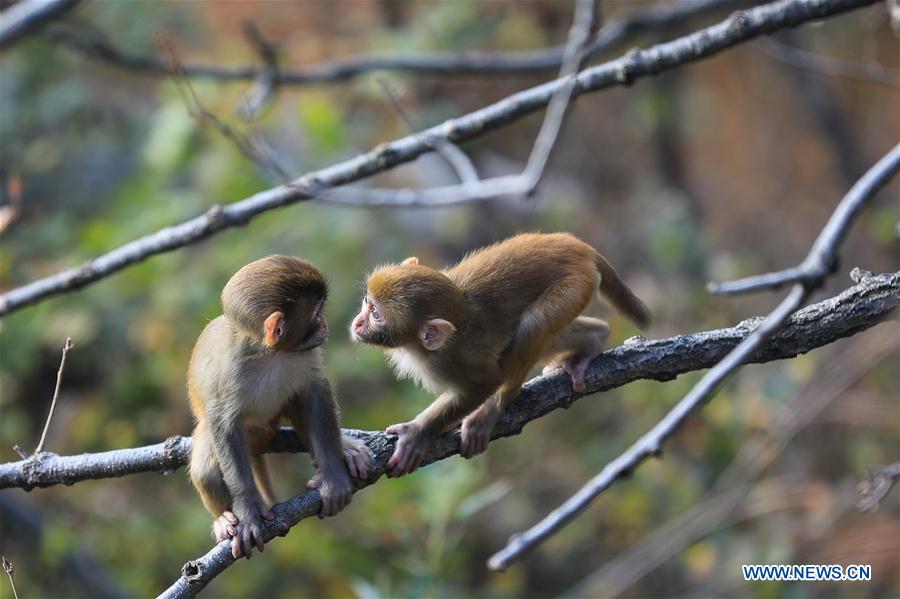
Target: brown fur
(496, 313)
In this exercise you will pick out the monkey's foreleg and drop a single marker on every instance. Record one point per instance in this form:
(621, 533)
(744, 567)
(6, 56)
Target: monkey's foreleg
(332, 480)
(415, 436)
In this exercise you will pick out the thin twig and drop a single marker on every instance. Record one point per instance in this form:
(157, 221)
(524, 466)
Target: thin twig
(829, 65)
(472, 188)
(8, 568)
(266, 84)
(455, 157)
(822, 259)
(660, 20)
(822, 256)
(199, 112)
(740, 27)
(876, 485)
(584, 20)
(59, 373)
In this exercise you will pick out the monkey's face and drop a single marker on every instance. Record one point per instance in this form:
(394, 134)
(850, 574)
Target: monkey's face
(371, 324)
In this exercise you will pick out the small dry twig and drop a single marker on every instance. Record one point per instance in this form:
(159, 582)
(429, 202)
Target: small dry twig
(8, 568)
(266, 84)
(829, 65)
(59, 373)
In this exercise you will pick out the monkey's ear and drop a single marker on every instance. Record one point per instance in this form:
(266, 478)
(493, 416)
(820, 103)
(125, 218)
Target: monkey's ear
(435, 332)
(411, 261)
(274, 326)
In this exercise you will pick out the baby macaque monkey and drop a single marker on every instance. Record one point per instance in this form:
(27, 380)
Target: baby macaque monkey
(258, 363)
(471, 333)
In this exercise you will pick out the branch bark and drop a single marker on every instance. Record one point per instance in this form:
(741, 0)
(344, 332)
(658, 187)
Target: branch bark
(742, 26)
(28, 16)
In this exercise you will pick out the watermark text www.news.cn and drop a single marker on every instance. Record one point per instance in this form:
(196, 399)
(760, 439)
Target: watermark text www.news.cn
(807, 572)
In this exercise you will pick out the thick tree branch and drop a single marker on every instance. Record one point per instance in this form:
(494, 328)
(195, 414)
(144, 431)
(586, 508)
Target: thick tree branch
(28, 16)
(659, 20)
(740, 27)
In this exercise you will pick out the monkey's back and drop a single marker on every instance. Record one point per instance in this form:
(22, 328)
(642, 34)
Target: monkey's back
(504, 279)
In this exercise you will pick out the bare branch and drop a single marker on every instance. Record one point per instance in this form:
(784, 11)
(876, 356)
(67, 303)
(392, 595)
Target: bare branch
(573, 55)
(48, 469)
(659, 20)
(266, 84)
(59, 373)
(829, 65)
(821, 259)
(740, 27)
(525, 182)
(455, 157)
(28, 16)
(876, 485)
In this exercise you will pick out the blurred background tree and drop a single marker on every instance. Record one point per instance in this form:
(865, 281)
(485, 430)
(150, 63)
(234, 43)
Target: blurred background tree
(717, 170)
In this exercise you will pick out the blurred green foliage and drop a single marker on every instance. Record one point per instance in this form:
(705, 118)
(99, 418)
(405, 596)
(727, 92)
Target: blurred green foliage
(660, 177)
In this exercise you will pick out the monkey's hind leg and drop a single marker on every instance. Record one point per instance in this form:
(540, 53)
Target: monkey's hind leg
(258, 439)
(263, 480)
(553, 313)
(207, 479)
(575, 346)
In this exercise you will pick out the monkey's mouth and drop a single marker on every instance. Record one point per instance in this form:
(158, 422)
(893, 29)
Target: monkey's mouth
(317, 336)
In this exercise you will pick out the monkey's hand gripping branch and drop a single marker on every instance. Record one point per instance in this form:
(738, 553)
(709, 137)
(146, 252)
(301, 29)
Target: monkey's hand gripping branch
(856, 309)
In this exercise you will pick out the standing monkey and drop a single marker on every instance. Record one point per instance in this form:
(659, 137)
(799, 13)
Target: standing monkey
(258, 363)
(472, 332)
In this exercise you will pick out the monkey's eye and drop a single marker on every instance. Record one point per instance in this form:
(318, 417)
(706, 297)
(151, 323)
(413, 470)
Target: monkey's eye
(375, 315)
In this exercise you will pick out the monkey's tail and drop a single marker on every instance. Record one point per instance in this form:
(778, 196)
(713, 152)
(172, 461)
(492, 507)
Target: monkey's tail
(620, 296)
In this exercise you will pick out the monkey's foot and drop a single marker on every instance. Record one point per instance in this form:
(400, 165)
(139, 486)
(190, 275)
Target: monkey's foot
(575, 366)
(334, 488)
(409, 451)
(224, 527)
(357, 456)
(249, 517)
(476, 430)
